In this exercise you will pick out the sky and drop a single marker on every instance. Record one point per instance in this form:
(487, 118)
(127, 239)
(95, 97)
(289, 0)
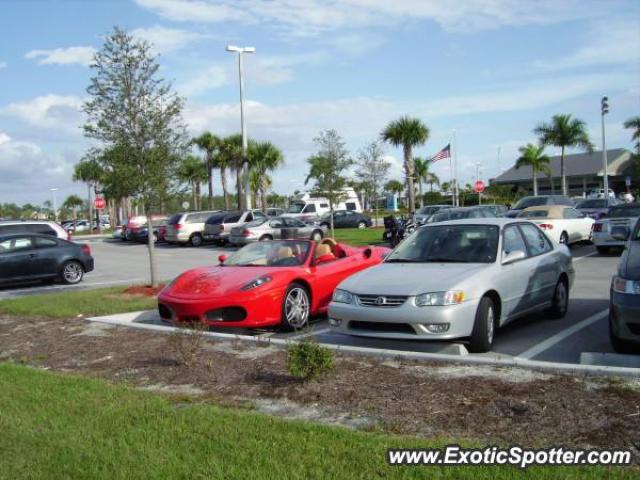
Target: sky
(490, 70)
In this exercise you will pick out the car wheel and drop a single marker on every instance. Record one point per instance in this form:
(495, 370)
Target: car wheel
(195, 240)
(484, 326)
(295, 307)
(619, 345)
(362, 225)
(325, 225)
(265, 238)
(564, 238)
(72, 272)
(602, 250)
(128, 236)
(316, 236)
(560, 301)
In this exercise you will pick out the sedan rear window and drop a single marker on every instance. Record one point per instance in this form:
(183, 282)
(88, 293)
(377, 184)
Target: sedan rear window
(619, 212)
(592, 203)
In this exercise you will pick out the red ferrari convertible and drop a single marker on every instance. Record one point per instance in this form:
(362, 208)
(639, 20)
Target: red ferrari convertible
(265, 283)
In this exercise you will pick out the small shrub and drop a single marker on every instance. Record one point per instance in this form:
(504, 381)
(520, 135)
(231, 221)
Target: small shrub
(186, 342)
(309, 360)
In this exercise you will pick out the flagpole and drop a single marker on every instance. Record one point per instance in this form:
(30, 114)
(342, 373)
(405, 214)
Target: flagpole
(455, 170)
(453, 197)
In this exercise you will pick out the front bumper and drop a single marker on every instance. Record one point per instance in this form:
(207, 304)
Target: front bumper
(625, 316)
(404, 322)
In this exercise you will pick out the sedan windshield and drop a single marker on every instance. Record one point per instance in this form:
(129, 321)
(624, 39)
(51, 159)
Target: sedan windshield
(270, 254)
(449, 243)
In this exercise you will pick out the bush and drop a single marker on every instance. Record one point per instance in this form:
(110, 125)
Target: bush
(309, 360)
(186, 342)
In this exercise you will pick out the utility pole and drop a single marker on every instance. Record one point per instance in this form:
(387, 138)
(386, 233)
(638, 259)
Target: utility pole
(604, 109)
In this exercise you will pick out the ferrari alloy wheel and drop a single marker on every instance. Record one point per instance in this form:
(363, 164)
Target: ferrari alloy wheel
(72, 272)
(296, 306)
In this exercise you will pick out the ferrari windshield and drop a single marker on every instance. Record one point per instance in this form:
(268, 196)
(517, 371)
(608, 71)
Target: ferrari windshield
(449, 244)
(270, 254)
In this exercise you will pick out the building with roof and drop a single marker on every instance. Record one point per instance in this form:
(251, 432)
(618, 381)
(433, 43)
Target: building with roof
(584, 172)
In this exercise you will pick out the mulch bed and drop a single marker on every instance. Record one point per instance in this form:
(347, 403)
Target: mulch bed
(143, 290)
(401, 397)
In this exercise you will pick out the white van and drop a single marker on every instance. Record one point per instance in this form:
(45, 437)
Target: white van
(309, 209)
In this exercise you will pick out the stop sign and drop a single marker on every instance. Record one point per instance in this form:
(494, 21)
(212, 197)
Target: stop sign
(479, 186)
(99, 203)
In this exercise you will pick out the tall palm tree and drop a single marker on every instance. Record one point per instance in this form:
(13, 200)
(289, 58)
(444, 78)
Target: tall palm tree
(90, 172)
(564, 131)
(633, 124)
(209, 144)
(231, 154)
(420, 171)
(73, 203)
(193, 171)
(533, 156)
(407, 132)
(264, 157)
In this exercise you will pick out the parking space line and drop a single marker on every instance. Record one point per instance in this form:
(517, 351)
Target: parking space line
(311, 333)
(585, 256)
(558, 337)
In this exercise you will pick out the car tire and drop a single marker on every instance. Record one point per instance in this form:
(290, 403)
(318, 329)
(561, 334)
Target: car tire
(362, 225)
(484, 327)
(265, 238)
(72, 272)
(619, 345)
(317, 235)
(296, 307)
(564, 238)
(195, 240)
(602, 250)
(560, 300)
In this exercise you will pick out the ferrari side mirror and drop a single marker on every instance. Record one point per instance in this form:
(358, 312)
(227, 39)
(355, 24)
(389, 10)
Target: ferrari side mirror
(222, 258)
(367, 253)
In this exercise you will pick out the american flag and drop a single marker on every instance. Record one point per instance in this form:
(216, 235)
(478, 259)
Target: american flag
(444, 153)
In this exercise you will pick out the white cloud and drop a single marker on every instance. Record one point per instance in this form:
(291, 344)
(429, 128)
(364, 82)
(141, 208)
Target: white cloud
(214, 76)
(166, 40)
(3, 65)
(310, 17)
(63, 56)
(51, 111)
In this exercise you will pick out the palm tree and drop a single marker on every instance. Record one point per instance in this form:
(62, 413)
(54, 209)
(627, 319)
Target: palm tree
(264, 157)
(633, 124)
(420, 171)
(231, 155)
(73, 203)
(193, 171)
(90, 172)
(394, 186)
(533, 156)
(409, 133)
(564, 131)
(209, 144)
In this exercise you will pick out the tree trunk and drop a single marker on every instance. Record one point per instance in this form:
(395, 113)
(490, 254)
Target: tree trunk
(263, 194)
(89, 204)
(535, 182)
(194, 196)
(421, 194)
(150, 247)
(408, 165)
(223, 180)
(562, 178)
(331, 218)
(210, 181)
(239, 185)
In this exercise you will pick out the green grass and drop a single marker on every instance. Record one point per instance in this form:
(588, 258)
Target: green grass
(99, 301)
(58, 426)
(359, 237)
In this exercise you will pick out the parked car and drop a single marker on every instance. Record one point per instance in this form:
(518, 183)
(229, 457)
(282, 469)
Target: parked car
(460, 213)
(424, 213)
(624, 298)
(275, 212)
(563, 224)
(623, 215)
(599, 193)
(456, 279)
(282, 282)
(26, 257)
(310, 209)
(539, 201)
(495, 209)
(276, 228)
(218, 227)
(159, 232)
(117, 232)
(78, 226)
(596, 208)
(188, 227)
(33, 226)
(345, 219)
(136, 222)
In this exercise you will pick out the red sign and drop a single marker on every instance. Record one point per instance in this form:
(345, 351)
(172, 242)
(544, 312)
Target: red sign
(479, 186)
(99, 203)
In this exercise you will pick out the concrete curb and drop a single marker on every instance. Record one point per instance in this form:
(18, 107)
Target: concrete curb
(127, 320)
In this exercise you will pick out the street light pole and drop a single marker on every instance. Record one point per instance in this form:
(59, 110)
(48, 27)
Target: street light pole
(245, 161)
(604, 109)
(55, 204)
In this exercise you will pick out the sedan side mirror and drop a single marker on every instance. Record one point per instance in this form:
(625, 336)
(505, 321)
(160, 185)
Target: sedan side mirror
(620, 233)
(222, 258)
(513, 257)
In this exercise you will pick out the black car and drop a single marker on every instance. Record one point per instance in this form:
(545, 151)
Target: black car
(27, 257)
(495, 209)
(346, 219)
(539, 201)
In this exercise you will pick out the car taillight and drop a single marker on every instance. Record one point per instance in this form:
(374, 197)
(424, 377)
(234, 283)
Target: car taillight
(222, 227)
(546, 226)
(597, 227)
(246, 233)
(86, 248)
(178, 226)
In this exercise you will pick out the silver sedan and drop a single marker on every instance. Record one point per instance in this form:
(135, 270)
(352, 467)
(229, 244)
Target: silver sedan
(275, 229)
(457, 279)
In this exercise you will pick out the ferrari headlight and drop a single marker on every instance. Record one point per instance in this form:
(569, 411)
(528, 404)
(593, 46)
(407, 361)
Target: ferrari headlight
(342, 296)
(439, 299)
(622, 285)
(256, 283)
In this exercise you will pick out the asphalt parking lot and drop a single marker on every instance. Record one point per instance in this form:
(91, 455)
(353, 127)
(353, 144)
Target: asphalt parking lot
(574, 339)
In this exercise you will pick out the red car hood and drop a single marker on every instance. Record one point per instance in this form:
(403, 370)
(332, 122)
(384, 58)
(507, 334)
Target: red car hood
(217, 281)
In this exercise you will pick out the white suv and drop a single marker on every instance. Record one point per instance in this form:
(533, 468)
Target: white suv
(43, 227)
(187, 227)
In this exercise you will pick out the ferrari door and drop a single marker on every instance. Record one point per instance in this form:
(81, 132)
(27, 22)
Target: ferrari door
(327, 276)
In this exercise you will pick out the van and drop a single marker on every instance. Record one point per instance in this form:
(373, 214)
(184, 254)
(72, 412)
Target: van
(310, 209)
(187, 227)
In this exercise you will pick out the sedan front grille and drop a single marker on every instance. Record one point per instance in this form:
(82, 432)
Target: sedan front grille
(381, 300)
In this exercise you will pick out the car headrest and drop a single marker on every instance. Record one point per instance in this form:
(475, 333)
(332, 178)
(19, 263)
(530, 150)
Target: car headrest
(285, 252)
(321, 250)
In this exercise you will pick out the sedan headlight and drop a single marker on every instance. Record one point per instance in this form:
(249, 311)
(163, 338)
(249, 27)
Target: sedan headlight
(342, 296)
(256, 283)
(622, 285)
(452, 297)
